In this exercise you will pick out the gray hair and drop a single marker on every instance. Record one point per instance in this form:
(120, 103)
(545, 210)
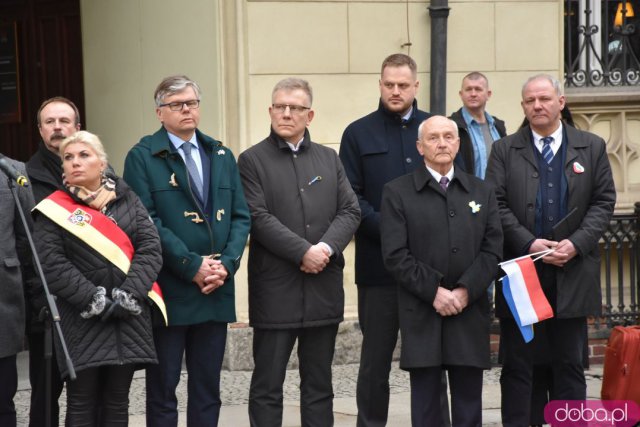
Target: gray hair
(293, 83)
(454, 124)
(557, 86)
(172, 85)
(86, 138)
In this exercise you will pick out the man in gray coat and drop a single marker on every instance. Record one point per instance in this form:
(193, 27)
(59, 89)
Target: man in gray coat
(15, 265)
(303, 215)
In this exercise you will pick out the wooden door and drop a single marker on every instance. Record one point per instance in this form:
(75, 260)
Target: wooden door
(40, 57)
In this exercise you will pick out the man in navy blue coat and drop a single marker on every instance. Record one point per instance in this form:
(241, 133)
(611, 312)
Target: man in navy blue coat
(374, 150)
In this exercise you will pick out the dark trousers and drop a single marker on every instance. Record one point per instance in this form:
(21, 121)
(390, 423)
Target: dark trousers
(203, 346)
(378, 317)
(99, 397)
(8, 388)
(37, 378)
(466, 396)
(566, 338)
(271, 351)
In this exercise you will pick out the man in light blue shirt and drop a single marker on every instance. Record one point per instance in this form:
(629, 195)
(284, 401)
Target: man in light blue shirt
(477, 128)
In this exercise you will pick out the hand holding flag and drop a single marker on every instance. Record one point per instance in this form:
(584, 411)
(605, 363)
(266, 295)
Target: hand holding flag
(523, 293)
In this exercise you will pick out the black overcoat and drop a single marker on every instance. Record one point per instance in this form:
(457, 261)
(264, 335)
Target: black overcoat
(431, 238)
(513, 171)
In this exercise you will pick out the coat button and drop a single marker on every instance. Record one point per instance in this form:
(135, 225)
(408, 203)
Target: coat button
(408, 159)
(454, 250)
(452, 213)
(550, 185)
(535, 175)
(530, 206)
(302, 190)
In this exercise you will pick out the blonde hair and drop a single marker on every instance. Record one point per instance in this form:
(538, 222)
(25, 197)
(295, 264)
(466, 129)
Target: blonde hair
(86, 138)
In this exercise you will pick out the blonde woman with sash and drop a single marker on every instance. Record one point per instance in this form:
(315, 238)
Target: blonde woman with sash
(101, 255)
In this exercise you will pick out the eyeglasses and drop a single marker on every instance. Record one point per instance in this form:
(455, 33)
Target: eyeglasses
(192, 104)
(281, 108)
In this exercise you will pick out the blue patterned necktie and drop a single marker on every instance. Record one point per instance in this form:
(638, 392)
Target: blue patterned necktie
(547, 152)
(444, 182)
(191, 167)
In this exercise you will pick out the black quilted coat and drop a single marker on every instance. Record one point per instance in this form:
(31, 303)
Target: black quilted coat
(73, 271)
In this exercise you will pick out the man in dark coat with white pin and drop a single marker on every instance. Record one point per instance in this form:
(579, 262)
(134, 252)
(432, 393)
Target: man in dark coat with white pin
(442, 241)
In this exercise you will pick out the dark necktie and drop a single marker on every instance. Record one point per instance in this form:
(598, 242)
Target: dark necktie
(444, 182)
(191, 167)
(547, 152)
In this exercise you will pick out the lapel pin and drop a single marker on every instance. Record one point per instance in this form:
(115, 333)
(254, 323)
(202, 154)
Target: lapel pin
(172, 180)
(315, 179)
(220, 152)
(219, 214)
(196, 218)
(475, 207)
(577, 167)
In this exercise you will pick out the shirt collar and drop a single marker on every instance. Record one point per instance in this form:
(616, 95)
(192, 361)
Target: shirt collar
(437, 175)
(468, 118)
(556, 135)
(408, 115)
(296, 147)
(177, 141)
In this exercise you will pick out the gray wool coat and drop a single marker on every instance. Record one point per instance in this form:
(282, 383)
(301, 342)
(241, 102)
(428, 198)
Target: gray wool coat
(296, 200)
(15, 265)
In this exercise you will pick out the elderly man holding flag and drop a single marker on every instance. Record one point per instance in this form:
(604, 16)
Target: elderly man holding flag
(555, 193)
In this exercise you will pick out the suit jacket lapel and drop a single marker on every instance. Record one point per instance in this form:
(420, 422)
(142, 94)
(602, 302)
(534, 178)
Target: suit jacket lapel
(525, 147)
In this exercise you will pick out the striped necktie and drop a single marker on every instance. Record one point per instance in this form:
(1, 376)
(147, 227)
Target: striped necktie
(191, 167)
(547, 152)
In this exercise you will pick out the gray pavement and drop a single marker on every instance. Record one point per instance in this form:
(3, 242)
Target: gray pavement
(235, 391)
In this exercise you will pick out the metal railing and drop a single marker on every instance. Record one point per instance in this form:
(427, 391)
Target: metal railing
(602, 43)
(621, 258)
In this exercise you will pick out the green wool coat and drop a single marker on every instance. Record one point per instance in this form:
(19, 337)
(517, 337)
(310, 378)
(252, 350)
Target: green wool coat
(157, 173)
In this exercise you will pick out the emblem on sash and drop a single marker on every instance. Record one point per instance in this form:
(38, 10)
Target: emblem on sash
(79, 217)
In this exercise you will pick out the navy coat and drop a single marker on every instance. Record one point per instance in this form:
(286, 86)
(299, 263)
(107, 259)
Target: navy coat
(374, 150)
(431, 238)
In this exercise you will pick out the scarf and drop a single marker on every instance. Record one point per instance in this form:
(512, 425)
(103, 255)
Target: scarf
(98, 199)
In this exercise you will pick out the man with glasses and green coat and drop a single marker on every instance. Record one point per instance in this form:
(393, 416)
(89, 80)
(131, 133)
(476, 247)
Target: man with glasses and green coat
(190, 185)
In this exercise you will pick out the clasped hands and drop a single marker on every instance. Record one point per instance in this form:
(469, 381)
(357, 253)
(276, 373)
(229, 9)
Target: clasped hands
(211, 275)
(450, 302)
(315, 259)
(563, 253)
